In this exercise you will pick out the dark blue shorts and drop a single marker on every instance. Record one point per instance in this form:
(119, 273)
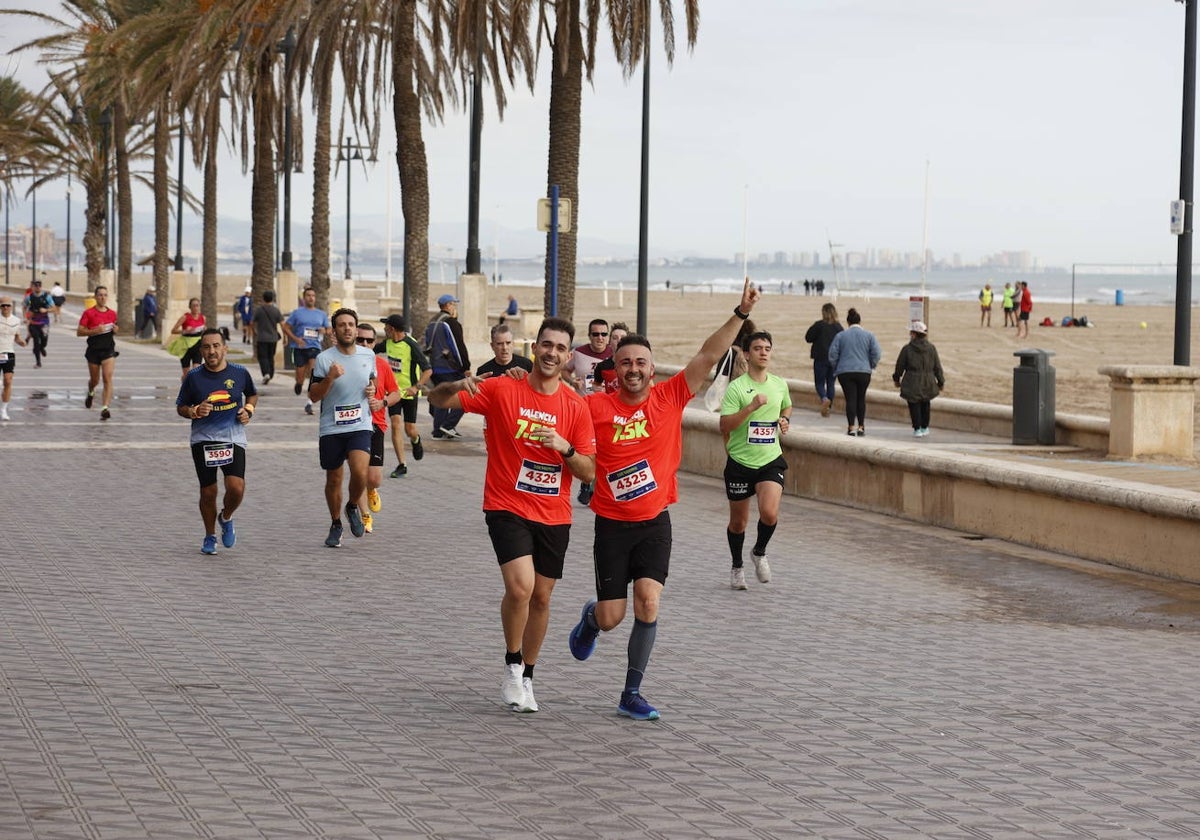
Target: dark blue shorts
(303, 355)
(336, 448)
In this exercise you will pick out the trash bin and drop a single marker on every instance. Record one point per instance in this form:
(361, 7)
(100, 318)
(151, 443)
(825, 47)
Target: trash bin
(1033, 398)
(139, 320)
(1120, 297)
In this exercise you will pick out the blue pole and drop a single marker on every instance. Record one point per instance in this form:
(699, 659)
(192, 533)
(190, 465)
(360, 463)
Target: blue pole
(554, 250)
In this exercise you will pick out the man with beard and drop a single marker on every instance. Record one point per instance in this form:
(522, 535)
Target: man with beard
(539, 436)
(219, 399)
(639, 445)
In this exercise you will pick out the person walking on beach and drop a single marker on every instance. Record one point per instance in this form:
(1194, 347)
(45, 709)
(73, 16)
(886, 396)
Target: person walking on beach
(1026, 308)
(918, 375)
(219, 398)
(755, 414)
(343, 382)
(191, 326)
(265, 329)
(820, 336)
(639, 445)
(854, 353)
(538, 437)
(1010, 315)
(985, 304)
(305, 329)
(10, 334)
(99, 324)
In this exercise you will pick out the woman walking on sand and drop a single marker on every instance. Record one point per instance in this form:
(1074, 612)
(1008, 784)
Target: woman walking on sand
(854, 353)
(919, 376)
(820, 335)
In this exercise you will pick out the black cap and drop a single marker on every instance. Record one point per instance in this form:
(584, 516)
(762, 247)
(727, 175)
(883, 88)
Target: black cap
(396, 322)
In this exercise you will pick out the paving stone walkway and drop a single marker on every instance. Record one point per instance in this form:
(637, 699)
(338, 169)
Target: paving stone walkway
(894, 680)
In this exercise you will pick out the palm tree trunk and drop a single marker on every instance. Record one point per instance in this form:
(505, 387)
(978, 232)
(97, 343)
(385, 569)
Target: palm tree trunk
(264, 187)
(319, 278)
(162, 197)
(93, 232)
(125, 223)
(566, 102)
(412, 165)
(208, 258)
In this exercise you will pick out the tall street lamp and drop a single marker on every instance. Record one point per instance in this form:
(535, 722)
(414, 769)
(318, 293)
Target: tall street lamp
(105, 123)
(179, 201)
(1187, 153)
(33, 232)
(288, 46)
(344, 154)
(68, 277)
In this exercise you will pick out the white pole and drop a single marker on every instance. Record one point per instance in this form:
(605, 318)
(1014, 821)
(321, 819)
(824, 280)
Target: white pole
(621, 295)
(606, 294)
(925, 233)
(745, 229)
(387, 269)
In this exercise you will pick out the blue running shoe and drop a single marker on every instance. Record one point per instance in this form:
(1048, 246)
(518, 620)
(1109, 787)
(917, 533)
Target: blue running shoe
(582, 640)
(210, 545)
(228, 537)
(334, 540)
(634, 705)
(357, 528)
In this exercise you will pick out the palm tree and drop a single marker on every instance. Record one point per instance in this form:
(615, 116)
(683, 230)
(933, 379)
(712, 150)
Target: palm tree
(630, 22)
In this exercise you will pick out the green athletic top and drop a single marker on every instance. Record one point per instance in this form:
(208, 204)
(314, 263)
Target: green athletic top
(755, 443)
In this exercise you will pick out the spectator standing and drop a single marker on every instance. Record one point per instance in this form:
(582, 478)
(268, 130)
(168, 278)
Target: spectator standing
(244, 311)
(264, 323)
(448, 356)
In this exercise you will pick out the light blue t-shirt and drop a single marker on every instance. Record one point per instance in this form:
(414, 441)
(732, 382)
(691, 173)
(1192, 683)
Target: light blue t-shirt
(306, 324)
(345, 405)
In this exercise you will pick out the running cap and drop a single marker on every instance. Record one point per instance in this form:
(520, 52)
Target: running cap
(444, 299)
(396, 322)
(918, 327)
(249, 289)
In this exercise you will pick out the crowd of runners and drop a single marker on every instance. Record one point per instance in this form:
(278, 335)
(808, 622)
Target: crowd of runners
(590, 413)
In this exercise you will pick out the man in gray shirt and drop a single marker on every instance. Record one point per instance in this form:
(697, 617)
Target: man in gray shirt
(264, 325)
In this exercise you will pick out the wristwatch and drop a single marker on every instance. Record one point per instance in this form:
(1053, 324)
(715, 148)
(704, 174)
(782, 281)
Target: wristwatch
(570, 453)
(737, 310)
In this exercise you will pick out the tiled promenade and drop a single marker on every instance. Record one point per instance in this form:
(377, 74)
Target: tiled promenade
(894, 680)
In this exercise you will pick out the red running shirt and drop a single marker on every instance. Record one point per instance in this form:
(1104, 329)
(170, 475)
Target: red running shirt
(524, 477)
(638, 450)
(385, 383)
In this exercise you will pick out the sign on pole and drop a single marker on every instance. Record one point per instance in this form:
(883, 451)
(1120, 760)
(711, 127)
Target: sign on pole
(564, 215)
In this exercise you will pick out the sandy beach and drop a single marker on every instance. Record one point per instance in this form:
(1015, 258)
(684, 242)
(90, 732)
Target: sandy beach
(978, 361)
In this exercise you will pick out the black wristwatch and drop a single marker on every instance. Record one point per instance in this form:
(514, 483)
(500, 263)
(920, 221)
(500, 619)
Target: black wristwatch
(737, 310)
(569, 453)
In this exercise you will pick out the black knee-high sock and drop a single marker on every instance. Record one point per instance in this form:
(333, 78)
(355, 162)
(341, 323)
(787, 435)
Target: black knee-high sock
(641, 642)
(764, 536)
(736, 541)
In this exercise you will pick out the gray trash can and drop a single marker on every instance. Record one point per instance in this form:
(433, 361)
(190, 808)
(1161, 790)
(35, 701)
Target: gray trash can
(1033, 398)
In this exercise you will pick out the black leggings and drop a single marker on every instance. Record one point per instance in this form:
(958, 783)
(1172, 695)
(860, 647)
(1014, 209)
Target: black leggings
(39, 334)
(266, 357)
(854, 389)
(919, 412)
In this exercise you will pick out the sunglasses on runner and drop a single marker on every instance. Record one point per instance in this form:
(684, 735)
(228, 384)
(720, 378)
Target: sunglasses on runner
(599, 335)
(366, 341)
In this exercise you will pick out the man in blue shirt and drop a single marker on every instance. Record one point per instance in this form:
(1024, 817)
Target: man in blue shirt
(343, 382)
(219, 398)
(304, 329)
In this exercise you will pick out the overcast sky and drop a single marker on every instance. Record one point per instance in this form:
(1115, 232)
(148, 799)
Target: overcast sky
(1050, 126)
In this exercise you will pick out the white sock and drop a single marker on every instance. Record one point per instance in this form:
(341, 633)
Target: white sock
(3, 406)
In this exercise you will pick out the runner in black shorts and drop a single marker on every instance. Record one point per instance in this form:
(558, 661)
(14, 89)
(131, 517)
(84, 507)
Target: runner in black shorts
(99, 324)
(741, 480)
(627, 551)
(514, 536)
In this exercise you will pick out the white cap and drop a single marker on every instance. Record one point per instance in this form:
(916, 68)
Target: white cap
(918, 327)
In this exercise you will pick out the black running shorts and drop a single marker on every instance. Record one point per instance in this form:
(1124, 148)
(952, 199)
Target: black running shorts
(376, 447)
(741, 481)
(626, 551)
(209, 456)
(514, 536)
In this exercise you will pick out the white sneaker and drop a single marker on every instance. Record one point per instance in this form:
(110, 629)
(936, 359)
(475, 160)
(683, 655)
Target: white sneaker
(512, 690)
(528, 703)
(4, 415)
(762, 569)
(737, 578)
(451, 433)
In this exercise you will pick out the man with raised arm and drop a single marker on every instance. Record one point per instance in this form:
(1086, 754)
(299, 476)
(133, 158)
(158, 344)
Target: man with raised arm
(639, 446)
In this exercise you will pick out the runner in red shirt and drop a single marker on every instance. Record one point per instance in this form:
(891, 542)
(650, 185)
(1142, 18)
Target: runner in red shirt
(538, 436)
(99, 324)
(387, 390)
(639, 445)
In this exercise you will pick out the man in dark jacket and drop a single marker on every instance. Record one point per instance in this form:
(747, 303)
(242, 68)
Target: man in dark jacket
(448, 355)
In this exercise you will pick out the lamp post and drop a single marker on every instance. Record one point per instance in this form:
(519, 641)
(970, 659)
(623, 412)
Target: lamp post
(105, 122)
(33, 233)
(68, 276)
(344, 150)
(179, 202)
(643, 281)
(1187, 152)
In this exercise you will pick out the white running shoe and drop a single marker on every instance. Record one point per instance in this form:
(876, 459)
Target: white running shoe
(4, 415)
(528, 703)
(762, 569)
(512, 690)
(737, 578)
